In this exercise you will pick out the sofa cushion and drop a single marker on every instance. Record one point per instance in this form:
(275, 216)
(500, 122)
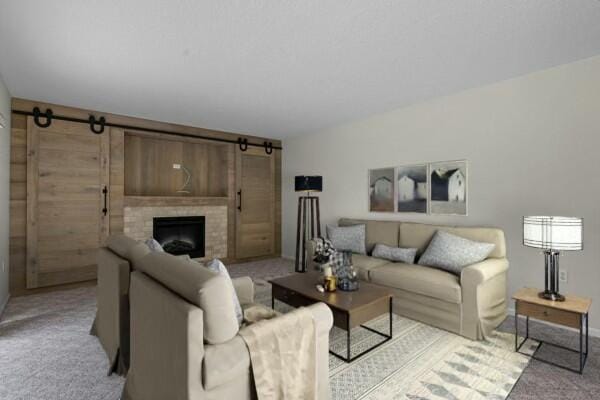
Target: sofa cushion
(419, 236)
(350, 238)
(385, 232)
(201, 287)
(452, 253)
(396, 254)
(363, 264)
(419, 279)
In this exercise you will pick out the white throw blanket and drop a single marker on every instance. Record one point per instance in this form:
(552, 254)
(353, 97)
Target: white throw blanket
(283, 356)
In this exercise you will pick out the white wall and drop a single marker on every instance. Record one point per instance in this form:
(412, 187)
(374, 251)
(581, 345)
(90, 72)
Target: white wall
(533, 146)
(4, 192)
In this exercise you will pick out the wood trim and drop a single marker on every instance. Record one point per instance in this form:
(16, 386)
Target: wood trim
(173, 201)
(32, 210)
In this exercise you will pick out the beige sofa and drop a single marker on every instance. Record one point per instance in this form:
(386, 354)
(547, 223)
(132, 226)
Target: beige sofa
(176, 322)
(471, 305)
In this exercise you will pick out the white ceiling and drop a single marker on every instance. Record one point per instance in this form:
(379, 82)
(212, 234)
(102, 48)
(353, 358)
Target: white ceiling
(279, 68)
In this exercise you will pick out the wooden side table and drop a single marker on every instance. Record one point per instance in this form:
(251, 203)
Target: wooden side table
(573, 313)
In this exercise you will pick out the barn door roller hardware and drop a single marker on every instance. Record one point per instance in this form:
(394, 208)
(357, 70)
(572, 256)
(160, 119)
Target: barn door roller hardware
(268, 147)
(243, 143)
(37, 114)
(100, 123)
(44, 120)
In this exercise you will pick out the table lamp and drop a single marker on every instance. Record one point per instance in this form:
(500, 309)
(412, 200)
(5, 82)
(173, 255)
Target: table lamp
(552, 234)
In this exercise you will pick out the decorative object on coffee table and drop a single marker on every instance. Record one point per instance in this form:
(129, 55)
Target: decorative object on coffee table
(572, 312)
(309, 218)
(323, 252)
(552, 234)
(347, 277)
(350, 309)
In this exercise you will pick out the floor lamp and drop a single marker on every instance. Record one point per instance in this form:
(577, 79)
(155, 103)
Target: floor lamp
(309, 216)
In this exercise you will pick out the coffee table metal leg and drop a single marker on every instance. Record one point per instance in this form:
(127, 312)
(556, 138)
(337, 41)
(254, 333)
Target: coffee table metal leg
(348, 336)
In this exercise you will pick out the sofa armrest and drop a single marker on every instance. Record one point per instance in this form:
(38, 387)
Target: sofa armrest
(244, 288)
(484, 297)
(483, 271)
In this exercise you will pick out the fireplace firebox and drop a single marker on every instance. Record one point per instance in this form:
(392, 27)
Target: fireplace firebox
(180, 235)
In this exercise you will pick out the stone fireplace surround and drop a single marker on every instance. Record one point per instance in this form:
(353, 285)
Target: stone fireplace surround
(138, 223)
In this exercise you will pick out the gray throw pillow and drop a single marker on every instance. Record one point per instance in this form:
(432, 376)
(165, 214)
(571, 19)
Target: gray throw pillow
(154, 245)
(348, 238)
(397, 254)
(452, 253)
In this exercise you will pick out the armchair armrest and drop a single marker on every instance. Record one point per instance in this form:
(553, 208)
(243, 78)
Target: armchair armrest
(244, 288)
(483, 271)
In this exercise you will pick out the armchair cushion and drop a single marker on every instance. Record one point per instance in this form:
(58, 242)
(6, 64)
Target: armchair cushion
(244, 288)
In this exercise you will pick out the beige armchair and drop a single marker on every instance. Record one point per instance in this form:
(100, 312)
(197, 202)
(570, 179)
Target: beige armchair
(111, 325)
(184, 335)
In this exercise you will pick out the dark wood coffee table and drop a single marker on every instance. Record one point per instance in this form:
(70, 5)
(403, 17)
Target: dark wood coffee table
(350, 309)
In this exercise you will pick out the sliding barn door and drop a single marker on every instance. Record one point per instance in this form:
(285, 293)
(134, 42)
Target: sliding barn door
(67, 170)
(255, 222)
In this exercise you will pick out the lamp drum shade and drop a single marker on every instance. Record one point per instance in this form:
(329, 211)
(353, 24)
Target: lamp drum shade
(553, 233)
(309, 183)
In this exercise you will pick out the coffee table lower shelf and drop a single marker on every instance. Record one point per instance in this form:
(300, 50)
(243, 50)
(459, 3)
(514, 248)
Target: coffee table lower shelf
(342, 319)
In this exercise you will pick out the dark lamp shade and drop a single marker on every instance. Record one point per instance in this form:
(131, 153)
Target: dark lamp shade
(309, 183)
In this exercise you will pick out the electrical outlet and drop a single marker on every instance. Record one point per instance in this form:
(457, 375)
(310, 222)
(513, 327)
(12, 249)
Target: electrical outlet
(563, 276)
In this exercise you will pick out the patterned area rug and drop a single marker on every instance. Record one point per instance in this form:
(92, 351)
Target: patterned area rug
(420, 362)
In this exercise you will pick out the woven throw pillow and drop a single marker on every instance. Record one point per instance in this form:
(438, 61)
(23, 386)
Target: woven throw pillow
(396, 254)
(154, 245)
(217, 266)
(452, 253)
(348, 238)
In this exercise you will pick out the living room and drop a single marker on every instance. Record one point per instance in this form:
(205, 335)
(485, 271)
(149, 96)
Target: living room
(316, 200)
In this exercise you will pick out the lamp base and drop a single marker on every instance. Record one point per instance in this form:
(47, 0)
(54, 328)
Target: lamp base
(553, 296)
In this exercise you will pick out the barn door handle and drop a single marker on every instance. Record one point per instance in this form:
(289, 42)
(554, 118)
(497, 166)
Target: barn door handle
(240, 196)
(105, 193)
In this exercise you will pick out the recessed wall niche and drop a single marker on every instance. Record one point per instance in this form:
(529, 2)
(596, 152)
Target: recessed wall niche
(150, 171)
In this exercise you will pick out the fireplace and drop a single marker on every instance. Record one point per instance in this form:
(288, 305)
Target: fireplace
(180, 235)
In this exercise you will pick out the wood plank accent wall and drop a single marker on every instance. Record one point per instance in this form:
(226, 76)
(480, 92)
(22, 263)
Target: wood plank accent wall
(217, 194)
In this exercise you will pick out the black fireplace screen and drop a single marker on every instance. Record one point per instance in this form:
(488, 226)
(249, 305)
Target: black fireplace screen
(180, 235)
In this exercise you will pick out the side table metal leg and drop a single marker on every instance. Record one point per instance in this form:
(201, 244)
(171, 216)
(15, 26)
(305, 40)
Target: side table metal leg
(516, 330)
(581, 345)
